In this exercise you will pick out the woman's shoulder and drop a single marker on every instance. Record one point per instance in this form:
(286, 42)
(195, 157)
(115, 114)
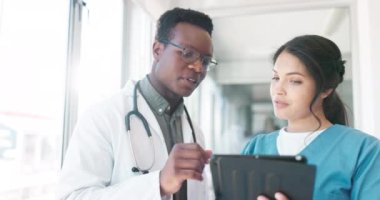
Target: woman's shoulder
(260, 142)
(265, 136)
(352, 133)
(358, 141)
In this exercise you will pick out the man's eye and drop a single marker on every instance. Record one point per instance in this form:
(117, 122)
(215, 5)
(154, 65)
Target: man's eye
(206, 61)
(188, 53)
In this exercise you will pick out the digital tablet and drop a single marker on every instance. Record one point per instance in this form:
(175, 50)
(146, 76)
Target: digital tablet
(241, 177)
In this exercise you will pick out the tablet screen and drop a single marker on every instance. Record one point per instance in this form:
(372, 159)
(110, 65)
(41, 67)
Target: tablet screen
(243, 177)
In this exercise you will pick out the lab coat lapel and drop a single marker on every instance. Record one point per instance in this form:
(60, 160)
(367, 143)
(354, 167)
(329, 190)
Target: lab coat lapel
(186, 129)
(145, 110)
(144, 151)
(150, 118)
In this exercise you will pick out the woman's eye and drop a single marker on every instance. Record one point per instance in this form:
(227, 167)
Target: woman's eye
(275, 78)
(295, 81)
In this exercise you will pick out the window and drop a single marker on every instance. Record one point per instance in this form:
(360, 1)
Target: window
(99, 72)
(33, 40)
(139, 39)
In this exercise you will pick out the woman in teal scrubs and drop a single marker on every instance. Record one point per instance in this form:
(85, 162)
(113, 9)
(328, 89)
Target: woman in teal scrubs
(307, 70)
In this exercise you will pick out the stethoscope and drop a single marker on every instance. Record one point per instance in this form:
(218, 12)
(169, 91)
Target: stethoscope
(135, 111)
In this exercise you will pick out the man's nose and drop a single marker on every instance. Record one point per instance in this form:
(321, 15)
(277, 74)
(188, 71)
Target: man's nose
(197, 65)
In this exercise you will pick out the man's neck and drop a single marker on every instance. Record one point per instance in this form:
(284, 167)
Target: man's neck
(173, 99)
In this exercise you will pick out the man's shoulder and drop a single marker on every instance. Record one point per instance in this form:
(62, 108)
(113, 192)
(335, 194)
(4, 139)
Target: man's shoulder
(117, 102)
(119, 97)
(128, 88)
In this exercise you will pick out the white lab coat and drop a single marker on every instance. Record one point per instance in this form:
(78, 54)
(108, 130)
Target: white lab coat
(99, 159)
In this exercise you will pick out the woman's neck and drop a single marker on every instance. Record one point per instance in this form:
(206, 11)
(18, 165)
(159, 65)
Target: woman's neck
(306, 125)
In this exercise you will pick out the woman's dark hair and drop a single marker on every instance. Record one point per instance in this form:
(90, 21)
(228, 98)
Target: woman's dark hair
(323, 61)
(171, 18)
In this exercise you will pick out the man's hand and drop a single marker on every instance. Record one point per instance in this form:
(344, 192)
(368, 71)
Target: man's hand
(186, 161)
(277, 195)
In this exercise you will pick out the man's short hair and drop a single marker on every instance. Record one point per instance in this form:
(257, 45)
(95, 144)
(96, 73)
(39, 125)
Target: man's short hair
(171, 18)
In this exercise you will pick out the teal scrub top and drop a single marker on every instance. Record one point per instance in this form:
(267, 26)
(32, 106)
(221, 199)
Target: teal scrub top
(347, 161)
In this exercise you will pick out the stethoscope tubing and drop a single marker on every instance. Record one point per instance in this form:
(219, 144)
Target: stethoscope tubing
(135, 112)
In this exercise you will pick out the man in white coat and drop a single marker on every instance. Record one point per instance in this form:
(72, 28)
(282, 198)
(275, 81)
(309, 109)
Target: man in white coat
(140, 143)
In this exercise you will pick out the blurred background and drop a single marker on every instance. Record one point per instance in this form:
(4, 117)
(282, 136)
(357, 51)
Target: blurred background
(58, 57)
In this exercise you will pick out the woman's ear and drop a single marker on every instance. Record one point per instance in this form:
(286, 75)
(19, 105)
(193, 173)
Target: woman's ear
(158, 48)
(326, 93)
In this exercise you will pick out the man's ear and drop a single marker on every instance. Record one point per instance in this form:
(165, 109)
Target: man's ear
(158, 48)
(326, 93)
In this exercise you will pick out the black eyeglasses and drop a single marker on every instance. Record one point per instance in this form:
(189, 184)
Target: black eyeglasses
(190, 55)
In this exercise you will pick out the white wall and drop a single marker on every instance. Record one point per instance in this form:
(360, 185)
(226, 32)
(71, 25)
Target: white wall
(365, 31)
(244, 72)
(366, 94)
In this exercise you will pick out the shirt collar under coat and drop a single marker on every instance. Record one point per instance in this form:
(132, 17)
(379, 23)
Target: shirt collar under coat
(158, 103)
